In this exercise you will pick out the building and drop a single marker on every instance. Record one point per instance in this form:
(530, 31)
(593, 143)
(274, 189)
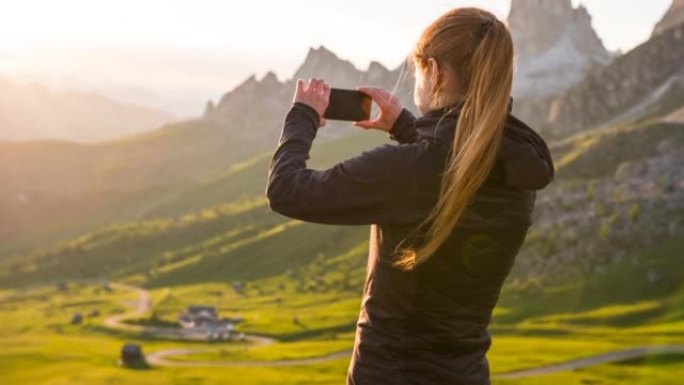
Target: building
(198, 316)
(206, 318)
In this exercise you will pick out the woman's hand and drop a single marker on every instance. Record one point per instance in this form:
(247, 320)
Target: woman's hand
(316, 93)
(390, 108)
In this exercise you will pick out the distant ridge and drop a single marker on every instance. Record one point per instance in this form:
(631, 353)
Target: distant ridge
(30, 112)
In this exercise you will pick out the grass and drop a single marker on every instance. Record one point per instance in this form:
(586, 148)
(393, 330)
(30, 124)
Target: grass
(653, 370)
(509, 353)
(616, 310)
(598, 154)
(39, 346)
(558, 324)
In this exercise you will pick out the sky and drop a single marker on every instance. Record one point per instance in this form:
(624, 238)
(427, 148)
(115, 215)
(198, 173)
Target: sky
(178, 54)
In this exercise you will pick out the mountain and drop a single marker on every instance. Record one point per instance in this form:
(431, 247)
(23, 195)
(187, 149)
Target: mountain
(257, 104)
(55, 190)
(184, 205)
(555, 46)
(647, 80)
(223, 220)
(29, 112)
(673, 17)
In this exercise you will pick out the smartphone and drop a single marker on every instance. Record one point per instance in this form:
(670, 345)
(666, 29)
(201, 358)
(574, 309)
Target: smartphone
(351, 105)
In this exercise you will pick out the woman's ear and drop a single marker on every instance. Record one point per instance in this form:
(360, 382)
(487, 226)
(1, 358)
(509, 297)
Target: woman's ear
(433, 72)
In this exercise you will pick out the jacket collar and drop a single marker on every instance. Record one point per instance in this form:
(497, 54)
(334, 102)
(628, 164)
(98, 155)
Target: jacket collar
(524, 158)
(440, 123)
(455, 109)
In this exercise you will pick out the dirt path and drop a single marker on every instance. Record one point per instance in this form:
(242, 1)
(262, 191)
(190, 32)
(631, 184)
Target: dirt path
(618, 355)
(143, 305)
(161, 357)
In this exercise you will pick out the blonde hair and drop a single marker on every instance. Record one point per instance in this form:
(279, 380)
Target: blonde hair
(478, 48)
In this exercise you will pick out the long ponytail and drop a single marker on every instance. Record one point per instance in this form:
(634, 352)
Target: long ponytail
(485, 74)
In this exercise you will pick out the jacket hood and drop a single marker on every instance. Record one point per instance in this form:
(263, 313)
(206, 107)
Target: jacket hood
(524, 159)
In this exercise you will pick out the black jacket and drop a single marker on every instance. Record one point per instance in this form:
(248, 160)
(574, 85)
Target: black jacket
(427, 326)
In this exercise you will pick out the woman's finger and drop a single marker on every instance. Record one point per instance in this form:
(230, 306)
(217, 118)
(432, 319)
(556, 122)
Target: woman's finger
(368, 90)
(374, 93)
(366, 123)
(385, 94)
(362, 123)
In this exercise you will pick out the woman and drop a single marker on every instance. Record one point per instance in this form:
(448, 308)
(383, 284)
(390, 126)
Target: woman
(449, 205)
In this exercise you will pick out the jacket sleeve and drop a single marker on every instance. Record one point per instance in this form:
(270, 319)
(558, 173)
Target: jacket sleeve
(404, 130)
(369, 188)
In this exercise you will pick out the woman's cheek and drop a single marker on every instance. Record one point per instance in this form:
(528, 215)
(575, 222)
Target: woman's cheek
(419, 95)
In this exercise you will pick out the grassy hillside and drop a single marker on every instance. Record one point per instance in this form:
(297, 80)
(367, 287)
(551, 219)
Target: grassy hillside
(53, 188)
(597, 155)
(180, 243)
(56, 190)
(220, 228)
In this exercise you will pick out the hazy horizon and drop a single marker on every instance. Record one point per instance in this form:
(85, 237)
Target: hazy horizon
(176, 56)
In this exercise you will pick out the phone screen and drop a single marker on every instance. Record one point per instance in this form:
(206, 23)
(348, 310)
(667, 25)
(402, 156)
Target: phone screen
(351, 105)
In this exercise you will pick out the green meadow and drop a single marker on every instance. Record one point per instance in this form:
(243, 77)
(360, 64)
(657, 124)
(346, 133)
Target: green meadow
(530, 329)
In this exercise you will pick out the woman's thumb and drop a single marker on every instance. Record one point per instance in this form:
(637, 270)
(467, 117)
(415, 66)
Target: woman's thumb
(362, 124)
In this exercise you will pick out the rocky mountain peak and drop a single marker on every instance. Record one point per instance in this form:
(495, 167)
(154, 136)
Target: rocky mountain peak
(376, 66)
(247, 84)
(264, 102)
(270, 80)
(537, 25)
(320, 53)
(673, 17)
(377, 73)
(251, 87)
(555, 45)
(322, 63)
(556, 7)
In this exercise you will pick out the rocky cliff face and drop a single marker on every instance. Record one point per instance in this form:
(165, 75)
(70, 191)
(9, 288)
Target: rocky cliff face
(323, 63)
(645, 80)
(622, 192)
(673, 17)
(555, 46)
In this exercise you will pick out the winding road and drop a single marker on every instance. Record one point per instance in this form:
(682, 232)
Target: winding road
(619, 355)
(161, 357)
(144, 305)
